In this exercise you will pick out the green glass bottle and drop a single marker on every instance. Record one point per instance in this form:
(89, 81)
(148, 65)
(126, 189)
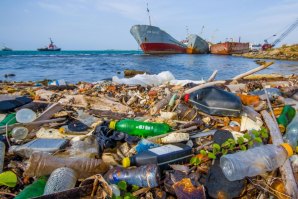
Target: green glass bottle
(286, 116)
(139, 128)
(34, 190)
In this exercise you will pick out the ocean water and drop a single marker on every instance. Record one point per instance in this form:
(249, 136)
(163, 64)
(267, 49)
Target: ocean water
(91, 66)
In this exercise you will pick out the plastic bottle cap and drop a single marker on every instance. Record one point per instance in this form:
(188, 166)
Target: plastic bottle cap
(282, 128)
(126, 162)
(112, 124)
(186, 97)
(288, 148)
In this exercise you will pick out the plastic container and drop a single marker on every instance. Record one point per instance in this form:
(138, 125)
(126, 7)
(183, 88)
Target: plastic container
(214, 101)
(25, 115)
(162, 156)
(41, 144)
(286, 116)
(34, 190)
(139, 128)
(291, 135)
(41, 164)
(2, 155)
(61, 179)
(143, 176)
(19, 133)
(254, 161)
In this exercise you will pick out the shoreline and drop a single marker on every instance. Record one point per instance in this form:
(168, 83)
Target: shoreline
(286, 53)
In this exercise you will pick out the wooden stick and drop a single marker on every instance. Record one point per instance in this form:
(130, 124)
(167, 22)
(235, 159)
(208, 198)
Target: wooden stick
(267, 64)
(285, 170)
(203, 86)
(234, 78)
(212, 77)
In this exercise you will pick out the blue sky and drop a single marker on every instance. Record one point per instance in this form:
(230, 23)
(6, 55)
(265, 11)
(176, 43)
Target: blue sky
(105, 24)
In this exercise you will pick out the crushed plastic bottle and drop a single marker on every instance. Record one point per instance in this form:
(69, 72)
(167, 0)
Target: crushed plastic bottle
(138, 128)
(143, 176)
(41, 144)
(254, 161)
(61, 179)
(9, 119)
(291, 135)
(41, 164)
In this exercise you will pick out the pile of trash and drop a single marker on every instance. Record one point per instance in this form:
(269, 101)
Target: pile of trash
(213, 139)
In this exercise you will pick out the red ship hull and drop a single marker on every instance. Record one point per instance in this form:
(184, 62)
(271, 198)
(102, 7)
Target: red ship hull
(159, 48)
(229, 48)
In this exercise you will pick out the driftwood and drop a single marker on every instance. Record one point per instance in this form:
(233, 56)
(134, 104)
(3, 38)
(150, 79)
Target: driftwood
(266, 65)
(285, 170)
(233, 79)
(212, 77)
(160, 104)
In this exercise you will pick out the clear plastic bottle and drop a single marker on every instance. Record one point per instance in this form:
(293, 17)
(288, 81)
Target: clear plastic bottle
(61, 179)
(25, 115)
(143, 176)
(254, 161)
(2, 155)
(291, 135)
(41, 164)
(139, 128)
(19, 133)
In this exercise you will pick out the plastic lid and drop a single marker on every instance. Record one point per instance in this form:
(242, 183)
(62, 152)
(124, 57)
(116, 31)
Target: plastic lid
(186, 97)
(112, 124)
(126, 162)
(25, 115)
(282, 128)
(288, 148)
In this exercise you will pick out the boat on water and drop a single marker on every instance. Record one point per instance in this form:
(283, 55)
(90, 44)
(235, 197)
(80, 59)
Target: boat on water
(6, 49)
(228, 48)
(196, 45)
(50, 47)
(153, 40)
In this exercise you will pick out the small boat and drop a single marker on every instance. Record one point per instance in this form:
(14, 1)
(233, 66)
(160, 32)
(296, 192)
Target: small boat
(6, 49)
(228, 48)
(153, 40)
(51, 47)
(196, 45)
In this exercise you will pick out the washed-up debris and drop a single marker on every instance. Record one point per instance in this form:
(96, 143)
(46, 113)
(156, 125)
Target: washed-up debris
(177, 138)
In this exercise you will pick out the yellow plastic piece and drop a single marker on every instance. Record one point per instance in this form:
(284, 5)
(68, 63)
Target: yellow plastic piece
(126, 162)
(288, 148)
(112, 124)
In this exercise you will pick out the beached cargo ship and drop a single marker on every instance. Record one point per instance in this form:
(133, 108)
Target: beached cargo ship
(196, 45)
(229, 48)
(153, 40)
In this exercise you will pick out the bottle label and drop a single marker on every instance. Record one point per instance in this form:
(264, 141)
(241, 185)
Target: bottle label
(165, 149)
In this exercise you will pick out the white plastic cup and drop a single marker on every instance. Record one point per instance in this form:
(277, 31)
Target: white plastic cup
(19, 133)
(25, 115)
